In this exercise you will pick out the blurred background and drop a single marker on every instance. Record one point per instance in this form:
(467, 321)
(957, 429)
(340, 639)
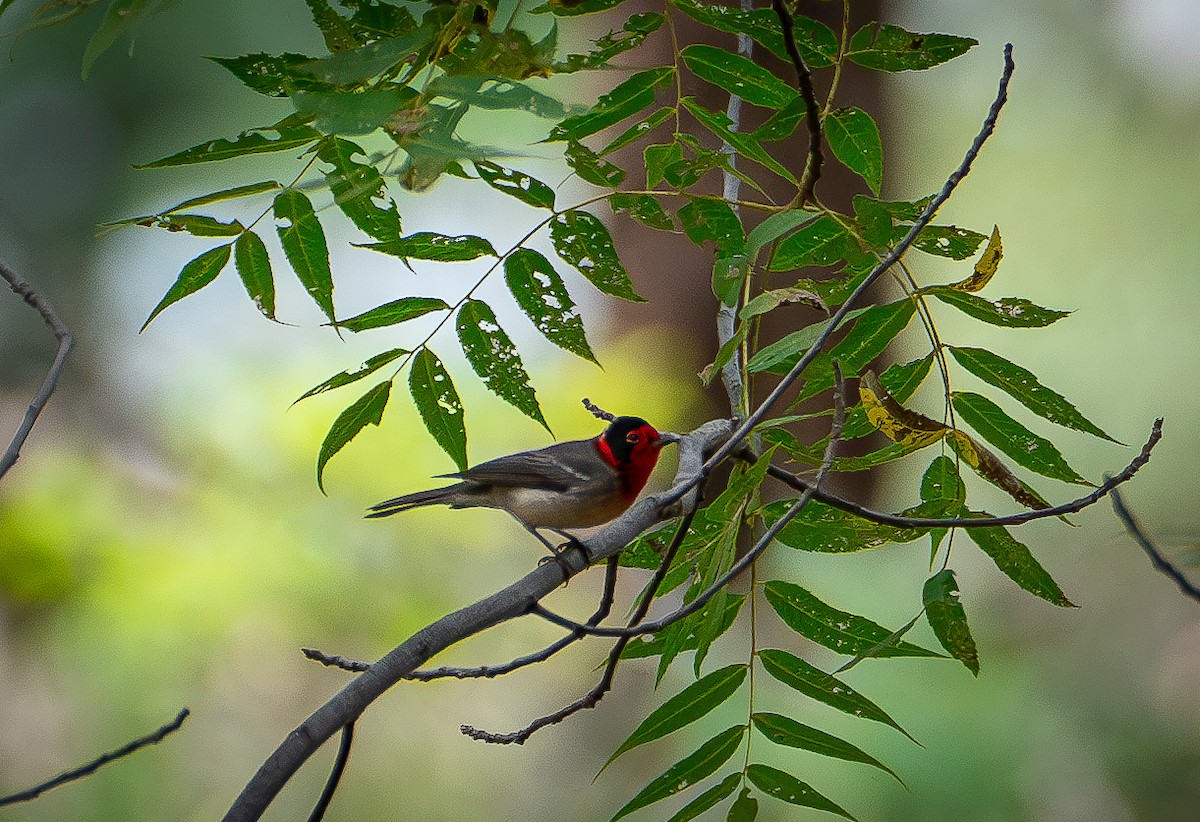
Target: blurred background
(163, 542)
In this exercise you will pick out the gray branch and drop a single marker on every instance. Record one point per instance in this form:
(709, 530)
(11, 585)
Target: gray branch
(515, 600)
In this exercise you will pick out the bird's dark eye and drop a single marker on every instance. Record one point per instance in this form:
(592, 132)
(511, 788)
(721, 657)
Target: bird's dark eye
(634, 438)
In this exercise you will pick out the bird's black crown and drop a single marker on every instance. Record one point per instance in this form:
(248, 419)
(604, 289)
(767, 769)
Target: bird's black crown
(617, 436)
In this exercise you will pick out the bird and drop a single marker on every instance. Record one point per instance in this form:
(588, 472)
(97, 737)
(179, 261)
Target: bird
(577, 484)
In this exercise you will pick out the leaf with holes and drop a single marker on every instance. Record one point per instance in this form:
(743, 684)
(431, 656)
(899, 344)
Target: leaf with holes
(1023, 386)
(644, 208)
(1025, 448)
(441, 410)
(943, 240)
(854, 139)
(823, 529)
(358, 188)
(744, 144)
(901, 381)
(710, 218)
(688, 771)
(194, 275)
(1015, 560)
(890, 48)
(986, 267)
(738, 76)
(624, 101)
(494, 357)
(303, 242)
(708, 799)
(784, 786)
(794, 672)
(1008, 312)
(948, 619)
(541, 294)
(591, 167)
(518, 184)
(369, 367)
(429, 245)
(635, 30)
(694, 702)
(366, 410)
(638, 130)
(583, 241)
(198, 225)
(783, 730)
(254, 267)
(839, 631)
(817, 43)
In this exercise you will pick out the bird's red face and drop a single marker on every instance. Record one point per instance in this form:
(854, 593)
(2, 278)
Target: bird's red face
(631, 445)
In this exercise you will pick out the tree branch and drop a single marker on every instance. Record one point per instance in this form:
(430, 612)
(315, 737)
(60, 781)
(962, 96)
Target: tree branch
(812, 118)
(349, 703)
(61, 333)
(98, 762)
(1157, 557)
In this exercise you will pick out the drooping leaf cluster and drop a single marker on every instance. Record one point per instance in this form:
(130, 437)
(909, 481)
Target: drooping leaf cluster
(377, 119)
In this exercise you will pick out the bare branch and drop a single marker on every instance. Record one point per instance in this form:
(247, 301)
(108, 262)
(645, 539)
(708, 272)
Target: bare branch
(598, 412)
(1156, 556)
(812, 119)
(99, 762)
(349, 703)
(61, 333)
(334, 661)
(1107, 487)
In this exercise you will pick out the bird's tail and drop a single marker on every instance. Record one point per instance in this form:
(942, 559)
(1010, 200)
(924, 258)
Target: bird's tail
(434, 496)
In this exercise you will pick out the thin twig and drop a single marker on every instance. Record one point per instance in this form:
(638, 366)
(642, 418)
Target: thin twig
(989, 125)
(335, 775)
(812, 119)
(98, 762)
(742, 564)
(593, 697)
(900, 521)
(598, 412)
(61, 333)
(1156, 555)
(335, 661)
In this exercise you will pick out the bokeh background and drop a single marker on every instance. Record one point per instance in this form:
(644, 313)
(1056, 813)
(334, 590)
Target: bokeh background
(163, 543)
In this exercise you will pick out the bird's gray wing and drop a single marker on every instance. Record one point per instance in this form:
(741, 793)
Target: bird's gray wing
(530, 469)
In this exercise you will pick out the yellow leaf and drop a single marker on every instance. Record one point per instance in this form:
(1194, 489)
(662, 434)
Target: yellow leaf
(989, 466)
(986, 267)
(894, 420)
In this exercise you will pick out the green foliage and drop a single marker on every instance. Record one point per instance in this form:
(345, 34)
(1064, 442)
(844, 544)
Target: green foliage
(400, 79)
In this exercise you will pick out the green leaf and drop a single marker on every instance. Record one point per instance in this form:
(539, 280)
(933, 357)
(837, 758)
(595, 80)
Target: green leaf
(346, 377)
(890, 48)
(1025, 448)
(518, 184)
(1009, 312)
(356, 187)
(874, 221)
(943, 494)
(738, 76)
(119, 17)
(1024, 387)
(198, 225)
(948, 619)
(254, 267)
(339, 111)
(541, 294)
(711, 218)
(497, 95)
(196, 274)
(438, 403)
(824, 529)
(870, 337)
(397, 311)
(583, 241)
(658, 645)
(624, 101)
(635, 30)
(639, 129)
(783, 123)
(854, 139)
(576, 8)
(1015, 560)
(591, 167)
(207, 199)
(944, 240)
(774, 227)
(744, 808)
(275, 75)
(839, 631)
(303, 242)
(728, 275)
(335, 29)
(688, 771)
(429, 245)
(694, 702)
(644, 208)
(794, 672)
(707, 799)
(657, 159)
(768, 301)
(494, 357)
(290, 133)
(781, 355)
(817, 43)
(744, 144)
(781, 785)
(822, 242)
(366, 410)
(783, 730)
